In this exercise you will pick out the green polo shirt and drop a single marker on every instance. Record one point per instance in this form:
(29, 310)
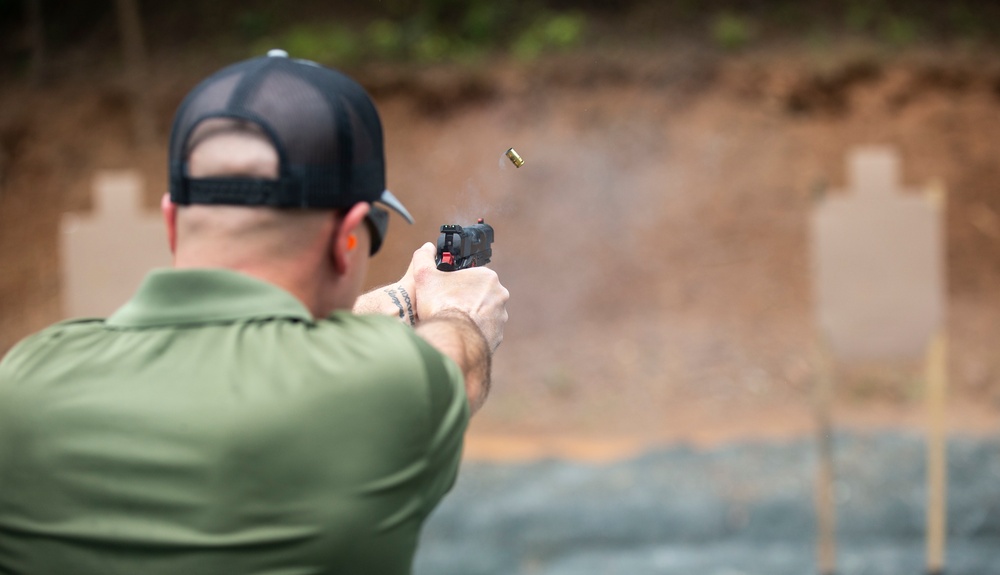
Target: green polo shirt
(211, 425)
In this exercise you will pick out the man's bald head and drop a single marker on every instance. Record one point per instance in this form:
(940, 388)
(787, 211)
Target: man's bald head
(223, 147)
(226, 147)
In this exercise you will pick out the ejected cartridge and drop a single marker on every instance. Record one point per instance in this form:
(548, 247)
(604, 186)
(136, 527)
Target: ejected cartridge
(515, 158)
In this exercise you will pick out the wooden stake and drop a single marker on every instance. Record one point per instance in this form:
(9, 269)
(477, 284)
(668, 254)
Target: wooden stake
(937, 460)
(826, 512)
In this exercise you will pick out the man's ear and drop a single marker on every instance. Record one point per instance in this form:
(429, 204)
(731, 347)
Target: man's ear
(350, 237)
(169, 210)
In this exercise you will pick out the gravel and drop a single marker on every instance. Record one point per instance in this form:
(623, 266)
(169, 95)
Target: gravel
(742, 509)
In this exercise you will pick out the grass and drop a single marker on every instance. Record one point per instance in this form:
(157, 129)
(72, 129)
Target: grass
(421, 38)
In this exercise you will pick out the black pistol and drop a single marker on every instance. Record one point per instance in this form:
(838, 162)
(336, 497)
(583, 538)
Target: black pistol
(461, 247)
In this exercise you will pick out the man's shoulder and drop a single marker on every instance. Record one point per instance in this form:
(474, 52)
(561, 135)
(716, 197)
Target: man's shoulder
(376, 335)
(397, 349)
(372, 328)
(38, 342)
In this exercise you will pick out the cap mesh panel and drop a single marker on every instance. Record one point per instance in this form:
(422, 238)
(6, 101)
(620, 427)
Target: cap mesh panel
(323, 125)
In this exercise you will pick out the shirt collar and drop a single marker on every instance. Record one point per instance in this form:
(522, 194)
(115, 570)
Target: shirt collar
(198, 296)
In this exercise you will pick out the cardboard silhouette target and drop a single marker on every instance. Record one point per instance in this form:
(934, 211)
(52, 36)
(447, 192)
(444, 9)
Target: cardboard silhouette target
(106, 253)
(878, 261)
(878, 280)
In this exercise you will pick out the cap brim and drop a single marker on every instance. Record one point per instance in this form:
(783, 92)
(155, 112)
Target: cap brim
(397, 206)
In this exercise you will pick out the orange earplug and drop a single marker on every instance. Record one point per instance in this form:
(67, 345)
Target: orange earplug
(352, 242)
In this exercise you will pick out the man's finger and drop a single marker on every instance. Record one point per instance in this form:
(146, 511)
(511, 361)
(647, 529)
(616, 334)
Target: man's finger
(425, 256)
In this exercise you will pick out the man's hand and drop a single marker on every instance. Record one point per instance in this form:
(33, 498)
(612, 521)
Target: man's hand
(476, 292)
(424, 292)
(461, 313)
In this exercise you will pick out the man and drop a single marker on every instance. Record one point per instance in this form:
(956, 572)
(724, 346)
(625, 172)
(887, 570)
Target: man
(234, 416)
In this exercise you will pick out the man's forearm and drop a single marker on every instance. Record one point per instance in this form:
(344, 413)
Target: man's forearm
(454, 334)
(392, 299)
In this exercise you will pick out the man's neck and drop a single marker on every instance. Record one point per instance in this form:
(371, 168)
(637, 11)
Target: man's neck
(293, 277)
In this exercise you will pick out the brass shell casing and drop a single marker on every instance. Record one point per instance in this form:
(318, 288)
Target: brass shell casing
(515, 158)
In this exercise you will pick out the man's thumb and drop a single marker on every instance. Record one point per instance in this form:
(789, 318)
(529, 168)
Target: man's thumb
(424, 256)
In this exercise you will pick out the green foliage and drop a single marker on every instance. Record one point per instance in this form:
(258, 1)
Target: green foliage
(481, 22)
(432, 47)
(730, 31)
(385, 38)
(899, 31)
(552, 32)
(465, 30)
(790, 15)
(819, 39)
(892, 27)
(478, 22)
(442, 30)
(253, 24)
(564, 31)
(527, 47)
(861, 15)
(425, 32)
(333, 44)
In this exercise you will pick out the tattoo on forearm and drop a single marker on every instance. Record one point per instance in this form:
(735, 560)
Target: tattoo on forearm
(409, 306)
(403, 312)
(392, 295)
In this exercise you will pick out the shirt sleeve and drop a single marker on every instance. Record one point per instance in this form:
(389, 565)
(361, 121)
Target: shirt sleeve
(449, 417)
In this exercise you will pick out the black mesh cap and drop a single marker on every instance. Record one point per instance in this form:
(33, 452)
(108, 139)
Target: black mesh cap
(322, 124)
